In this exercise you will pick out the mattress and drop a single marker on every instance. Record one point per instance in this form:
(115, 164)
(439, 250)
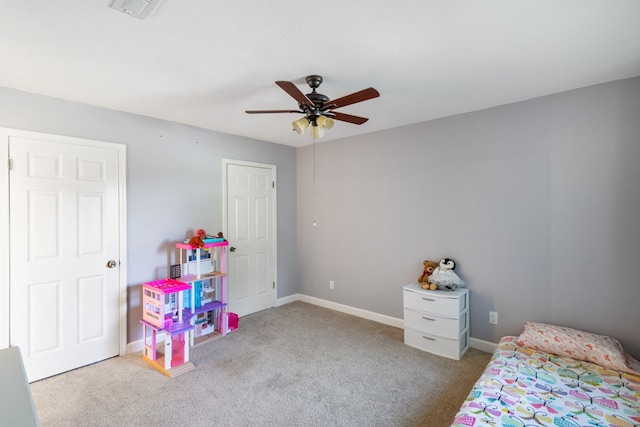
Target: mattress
(525, 387)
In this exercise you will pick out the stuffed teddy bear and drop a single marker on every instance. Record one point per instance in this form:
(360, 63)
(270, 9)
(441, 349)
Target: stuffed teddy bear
(429, 266)
(443, 276)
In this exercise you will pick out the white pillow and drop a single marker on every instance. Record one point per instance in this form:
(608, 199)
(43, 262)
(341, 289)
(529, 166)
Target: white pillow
(601, 349)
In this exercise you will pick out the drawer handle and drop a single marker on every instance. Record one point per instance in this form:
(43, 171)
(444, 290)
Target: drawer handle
(428, 338)
(428, 318)
(428, 299)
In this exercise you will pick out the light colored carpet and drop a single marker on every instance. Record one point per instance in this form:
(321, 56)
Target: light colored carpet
(295, 365)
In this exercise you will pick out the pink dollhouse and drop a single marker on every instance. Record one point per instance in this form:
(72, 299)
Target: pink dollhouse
(162, 310)
(189, 310)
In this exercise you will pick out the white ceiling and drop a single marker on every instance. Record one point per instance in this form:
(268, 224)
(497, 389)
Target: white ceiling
(204, 62)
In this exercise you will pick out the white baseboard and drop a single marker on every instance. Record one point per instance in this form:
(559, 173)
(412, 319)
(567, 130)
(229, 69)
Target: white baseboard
(380, 318)
(486, 346)
(287, 300)
(135, 346)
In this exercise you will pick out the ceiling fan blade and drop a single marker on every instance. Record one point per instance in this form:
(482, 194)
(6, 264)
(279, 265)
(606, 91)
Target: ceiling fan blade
(356, 120)
(272, 111)
(295, 93)
(362, 95)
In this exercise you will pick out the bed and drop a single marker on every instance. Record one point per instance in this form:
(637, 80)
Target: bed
(555, 376)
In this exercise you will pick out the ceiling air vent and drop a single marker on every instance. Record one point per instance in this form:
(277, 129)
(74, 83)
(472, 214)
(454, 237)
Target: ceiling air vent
(138, 8)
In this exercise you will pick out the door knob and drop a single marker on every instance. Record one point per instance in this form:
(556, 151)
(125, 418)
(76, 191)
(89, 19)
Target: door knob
(232, 249)
(111, 263)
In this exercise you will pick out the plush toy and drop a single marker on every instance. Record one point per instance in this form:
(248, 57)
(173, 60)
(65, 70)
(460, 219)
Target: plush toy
(444, 277)
(196, 241)
(429, 266)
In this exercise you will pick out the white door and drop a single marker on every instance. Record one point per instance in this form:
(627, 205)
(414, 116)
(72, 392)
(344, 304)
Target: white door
(251, 234)
(64, 227)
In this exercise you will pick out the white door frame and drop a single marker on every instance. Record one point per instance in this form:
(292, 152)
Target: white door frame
(274, 212)
(5, 306)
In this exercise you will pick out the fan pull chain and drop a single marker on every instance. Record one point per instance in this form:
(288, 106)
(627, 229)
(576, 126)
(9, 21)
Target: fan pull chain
(314, 182)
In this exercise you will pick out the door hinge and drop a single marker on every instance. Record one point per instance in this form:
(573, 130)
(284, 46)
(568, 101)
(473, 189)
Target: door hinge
(273, 184)
(274, 285)
(9, 164)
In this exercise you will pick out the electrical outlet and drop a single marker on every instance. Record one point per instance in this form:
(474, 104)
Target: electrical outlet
(331, 284)
(493, 317)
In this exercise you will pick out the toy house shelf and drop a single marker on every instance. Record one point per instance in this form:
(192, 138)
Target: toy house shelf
(185, 311)
(205, 308)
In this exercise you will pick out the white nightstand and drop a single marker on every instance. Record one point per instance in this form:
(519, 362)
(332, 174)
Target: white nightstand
(436, 321)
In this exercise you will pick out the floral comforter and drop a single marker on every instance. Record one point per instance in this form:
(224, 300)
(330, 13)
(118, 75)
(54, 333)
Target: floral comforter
(525, 387)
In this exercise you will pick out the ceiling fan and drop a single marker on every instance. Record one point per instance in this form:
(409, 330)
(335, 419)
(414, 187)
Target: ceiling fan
(318, 109)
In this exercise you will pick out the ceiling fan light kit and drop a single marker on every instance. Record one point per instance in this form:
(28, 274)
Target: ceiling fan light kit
(319, 127)
(300, 125)
(318, 108)
(317, 132)
(325, 122)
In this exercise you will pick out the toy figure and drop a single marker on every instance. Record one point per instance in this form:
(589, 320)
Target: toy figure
(444, 276)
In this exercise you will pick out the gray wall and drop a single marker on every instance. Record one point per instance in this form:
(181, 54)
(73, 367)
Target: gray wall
(174, 180)
(537, 201)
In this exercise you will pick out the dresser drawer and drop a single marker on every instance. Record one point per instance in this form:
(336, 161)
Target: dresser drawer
(438, 325)
(435, 302)
(447, 347)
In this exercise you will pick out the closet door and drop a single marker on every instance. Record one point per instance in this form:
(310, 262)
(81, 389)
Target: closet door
(251, 218)
(64, 253)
